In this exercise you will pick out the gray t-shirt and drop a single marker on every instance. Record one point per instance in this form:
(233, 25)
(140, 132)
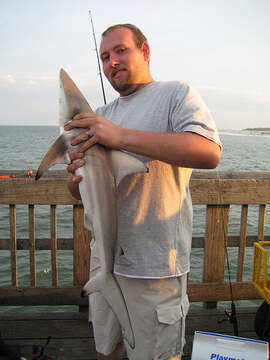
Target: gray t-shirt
(155, 209)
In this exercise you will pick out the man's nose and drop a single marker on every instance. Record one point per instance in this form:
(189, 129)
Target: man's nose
(114, 62)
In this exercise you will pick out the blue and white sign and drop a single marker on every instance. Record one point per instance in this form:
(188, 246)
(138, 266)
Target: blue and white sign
(210, 346)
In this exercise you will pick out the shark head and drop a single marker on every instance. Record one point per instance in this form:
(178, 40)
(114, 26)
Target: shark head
(71, 103)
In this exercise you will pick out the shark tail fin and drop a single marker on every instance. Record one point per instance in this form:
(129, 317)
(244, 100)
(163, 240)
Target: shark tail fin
(57, 154)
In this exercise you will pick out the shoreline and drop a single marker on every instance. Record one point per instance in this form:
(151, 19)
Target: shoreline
(245, 132)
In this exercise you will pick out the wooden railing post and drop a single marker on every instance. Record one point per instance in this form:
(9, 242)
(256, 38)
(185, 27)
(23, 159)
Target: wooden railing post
(214, 247)
(81, 253)
(81, 249)
(54, 246)
(13, 245)
(32, 245)
(242, 242)
(261, 222)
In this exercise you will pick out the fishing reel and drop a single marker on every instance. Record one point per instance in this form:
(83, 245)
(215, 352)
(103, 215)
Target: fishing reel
(33, 352)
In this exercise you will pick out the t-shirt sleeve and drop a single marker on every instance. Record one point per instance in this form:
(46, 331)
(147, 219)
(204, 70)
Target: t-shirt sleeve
(190, 113)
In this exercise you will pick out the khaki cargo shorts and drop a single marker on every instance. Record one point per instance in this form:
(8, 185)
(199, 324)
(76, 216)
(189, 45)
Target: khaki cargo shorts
(157, 310)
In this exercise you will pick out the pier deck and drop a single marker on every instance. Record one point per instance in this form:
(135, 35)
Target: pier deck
(72, 338)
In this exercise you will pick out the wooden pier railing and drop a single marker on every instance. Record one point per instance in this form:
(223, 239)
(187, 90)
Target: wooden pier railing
(216, 192)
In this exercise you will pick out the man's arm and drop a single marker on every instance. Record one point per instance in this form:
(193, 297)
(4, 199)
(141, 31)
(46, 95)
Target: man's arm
(186, 149)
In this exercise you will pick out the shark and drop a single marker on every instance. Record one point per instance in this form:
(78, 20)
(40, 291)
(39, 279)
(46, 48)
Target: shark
(102, 172)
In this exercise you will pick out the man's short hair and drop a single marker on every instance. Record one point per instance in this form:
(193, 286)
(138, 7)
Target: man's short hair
(138, 36)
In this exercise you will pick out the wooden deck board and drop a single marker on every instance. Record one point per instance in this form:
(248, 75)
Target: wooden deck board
(72, 337)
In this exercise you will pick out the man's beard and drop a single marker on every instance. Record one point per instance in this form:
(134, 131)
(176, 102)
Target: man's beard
(121, 87)
(121, 84)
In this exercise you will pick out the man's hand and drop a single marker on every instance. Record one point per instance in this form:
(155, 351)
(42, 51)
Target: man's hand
(186, 149)
(99, 129)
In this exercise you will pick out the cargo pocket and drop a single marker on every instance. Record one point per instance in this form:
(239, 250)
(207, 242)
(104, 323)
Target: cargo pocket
(170, 334)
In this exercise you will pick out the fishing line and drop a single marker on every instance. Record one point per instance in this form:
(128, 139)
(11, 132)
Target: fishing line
(99, 68)
(231, 315)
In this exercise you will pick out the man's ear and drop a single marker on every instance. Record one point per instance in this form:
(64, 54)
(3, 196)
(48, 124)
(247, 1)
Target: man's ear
(146, 51)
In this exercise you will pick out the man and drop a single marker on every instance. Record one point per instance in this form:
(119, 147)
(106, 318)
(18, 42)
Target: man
(168, 126)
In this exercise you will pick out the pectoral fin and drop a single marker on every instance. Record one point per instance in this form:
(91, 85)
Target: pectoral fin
(56, 155)
(124, 164)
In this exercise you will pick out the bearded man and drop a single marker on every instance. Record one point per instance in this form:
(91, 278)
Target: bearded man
(167, 126)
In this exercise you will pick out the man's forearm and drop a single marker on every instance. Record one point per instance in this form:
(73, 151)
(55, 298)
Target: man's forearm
(185, 149)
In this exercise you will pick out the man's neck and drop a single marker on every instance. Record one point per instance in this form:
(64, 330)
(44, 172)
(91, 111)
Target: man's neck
(132, 88)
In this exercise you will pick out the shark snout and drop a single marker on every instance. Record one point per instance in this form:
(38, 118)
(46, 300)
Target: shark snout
(85, 290)
(83, 293)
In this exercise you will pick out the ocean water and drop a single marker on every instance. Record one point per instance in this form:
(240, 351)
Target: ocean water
(22, 146)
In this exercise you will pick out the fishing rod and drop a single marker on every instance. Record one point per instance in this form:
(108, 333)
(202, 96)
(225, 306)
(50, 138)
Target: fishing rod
(230, 314)
(99, 68)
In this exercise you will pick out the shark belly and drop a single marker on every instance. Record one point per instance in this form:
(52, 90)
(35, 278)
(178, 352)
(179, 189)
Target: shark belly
(99, 195)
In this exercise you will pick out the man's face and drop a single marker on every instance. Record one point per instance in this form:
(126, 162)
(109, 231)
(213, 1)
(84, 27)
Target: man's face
(124, 64)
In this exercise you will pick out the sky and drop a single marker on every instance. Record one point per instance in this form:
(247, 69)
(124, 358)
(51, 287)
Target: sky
(220, 47)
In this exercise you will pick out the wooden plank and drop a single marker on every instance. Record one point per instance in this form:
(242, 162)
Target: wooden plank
(230, 175)
(66, 295)
(81, 253)
(226, 191)
(32, 245)
(22, 174)
(29, 191)
(41, 244)
(67, 243)
(207, 292)
(223, 191)
(54, 245)
(13, 245)
(196, 174)
(213, 292)
(28, 328)
(242, 244)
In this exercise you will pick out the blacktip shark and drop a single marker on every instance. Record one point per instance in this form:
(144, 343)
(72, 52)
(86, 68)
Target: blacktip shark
(103, 170)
